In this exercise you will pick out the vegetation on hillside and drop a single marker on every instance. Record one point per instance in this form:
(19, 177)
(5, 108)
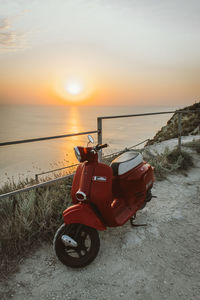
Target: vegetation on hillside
(190, 125)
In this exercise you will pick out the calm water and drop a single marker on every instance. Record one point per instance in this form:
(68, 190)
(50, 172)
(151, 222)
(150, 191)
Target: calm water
(22, 122)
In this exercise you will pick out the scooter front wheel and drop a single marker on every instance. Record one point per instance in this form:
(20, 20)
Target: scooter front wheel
(81, 247)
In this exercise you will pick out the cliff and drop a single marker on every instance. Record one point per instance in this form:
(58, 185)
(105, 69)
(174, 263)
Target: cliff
(190, 123)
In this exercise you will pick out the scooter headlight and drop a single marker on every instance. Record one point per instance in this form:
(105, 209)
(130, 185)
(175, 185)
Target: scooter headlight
(77, 153)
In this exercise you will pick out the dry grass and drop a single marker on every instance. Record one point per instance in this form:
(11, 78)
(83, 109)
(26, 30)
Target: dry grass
(168, 162)
(194, 145)
(29, 218)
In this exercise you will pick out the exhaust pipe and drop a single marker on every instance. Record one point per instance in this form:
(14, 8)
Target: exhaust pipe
(68, 241)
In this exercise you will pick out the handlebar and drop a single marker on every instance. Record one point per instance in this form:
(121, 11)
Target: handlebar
(99, 147)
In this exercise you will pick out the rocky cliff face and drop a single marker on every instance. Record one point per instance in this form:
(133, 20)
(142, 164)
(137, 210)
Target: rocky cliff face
(190, 123)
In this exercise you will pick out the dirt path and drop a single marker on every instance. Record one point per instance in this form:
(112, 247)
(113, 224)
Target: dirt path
(160, 261)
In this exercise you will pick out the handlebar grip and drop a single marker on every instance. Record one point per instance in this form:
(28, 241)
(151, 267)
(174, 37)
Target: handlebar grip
(98, 147)
(104, 146)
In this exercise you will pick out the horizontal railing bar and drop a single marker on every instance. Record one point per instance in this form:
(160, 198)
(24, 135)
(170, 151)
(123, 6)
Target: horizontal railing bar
(34, 186)
(128, 148)
(148, 114)
(138, 144)
(50, 171)
(135, 115)
(46, 138)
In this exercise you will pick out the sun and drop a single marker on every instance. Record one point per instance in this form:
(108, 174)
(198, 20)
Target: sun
(73, 87)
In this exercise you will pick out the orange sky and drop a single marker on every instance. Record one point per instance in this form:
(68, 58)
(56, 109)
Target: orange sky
(114, 52)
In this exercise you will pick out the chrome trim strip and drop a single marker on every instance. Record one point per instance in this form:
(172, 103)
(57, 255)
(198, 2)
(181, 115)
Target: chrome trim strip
(99, 178)
(81, 193)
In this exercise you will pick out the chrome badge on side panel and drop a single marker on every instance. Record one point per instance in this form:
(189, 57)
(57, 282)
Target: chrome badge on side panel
(99, 178)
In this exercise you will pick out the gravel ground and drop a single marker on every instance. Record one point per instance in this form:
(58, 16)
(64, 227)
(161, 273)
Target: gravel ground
(160, 261)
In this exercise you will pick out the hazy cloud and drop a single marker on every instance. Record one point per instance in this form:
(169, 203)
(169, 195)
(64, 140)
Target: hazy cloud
(4, 24)
(10, 39)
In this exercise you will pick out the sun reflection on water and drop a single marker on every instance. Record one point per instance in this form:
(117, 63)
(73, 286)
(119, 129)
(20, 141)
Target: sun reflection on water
(72, 125)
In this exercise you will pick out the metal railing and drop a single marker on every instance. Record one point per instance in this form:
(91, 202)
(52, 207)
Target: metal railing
(35, 186)
(99, 132)
(46, 138)
(100, 125)
(179, 112)
(54, 170)
(38, 185)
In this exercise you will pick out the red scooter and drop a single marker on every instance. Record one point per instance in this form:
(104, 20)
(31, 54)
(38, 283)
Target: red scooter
(103, 196)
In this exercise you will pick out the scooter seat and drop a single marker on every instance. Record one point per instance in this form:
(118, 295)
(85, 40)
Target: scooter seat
(125, 162)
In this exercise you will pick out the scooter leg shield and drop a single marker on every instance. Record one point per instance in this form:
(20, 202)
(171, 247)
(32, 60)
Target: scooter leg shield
(82, 213)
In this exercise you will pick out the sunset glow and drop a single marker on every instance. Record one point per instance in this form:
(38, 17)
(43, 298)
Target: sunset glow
(72, 90)
(100, 53)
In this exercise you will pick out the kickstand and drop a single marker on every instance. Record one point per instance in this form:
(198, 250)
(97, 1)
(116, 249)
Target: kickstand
(132, 220)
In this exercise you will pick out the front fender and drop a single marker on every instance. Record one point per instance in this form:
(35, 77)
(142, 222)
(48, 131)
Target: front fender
(82, 213)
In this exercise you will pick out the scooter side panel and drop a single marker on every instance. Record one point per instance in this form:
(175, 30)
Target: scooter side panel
(82, 213)
(101, 191)
(133, 185)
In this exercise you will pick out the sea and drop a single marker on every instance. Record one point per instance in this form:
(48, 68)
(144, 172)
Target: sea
(19, 122)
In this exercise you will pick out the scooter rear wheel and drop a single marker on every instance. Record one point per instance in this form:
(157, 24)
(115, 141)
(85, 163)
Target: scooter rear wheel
(84, 253)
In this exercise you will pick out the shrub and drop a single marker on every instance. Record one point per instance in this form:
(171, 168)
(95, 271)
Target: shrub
(168, 161)
(181, 160)
(195, 145)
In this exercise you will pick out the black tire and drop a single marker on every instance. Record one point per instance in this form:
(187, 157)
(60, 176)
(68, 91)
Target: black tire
(87, 249)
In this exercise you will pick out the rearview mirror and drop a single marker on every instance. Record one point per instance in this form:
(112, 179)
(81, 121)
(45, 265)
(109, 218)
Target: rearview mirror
(90, 138)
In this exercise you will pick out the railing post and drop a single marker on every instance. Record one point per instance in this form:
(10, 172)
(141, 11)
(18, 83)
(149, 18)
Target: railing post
(179, 131)
(36, 178)
(99, 128)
